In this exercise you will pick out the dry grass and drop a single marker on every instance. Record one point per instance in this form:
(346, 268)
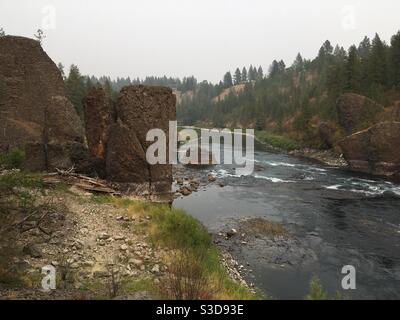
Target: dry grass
(262, 227)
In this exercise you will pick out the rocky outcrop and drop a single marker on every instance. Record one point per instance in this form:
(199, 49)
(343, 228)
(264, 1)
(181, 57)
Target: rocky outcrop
(140, 109)
(326, 134)
(375, 150)
(356, 112)
(117, 136)
(99, 117)
(35, 114)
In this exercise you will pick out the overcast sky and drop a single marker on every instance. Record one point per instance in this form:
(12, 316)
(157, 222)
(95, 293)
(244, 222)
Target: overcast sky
(203, 38)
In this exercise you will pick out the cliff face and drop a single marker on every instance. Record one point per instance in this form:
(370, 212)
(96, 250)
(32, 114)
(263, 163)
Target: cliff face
(35, 114)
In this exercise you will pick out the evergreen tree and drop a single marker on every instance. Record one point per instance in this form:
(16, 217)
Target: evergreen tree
(282, 66)
(298, 64)
(2, 33)
(40, 36)
(260, 73)
(61, 68)
(244, 75)
(353, 71)
(395, 60)
(238, 76)
(273, 69)
(364, 48)
(228, 80)
(339, 54)
(252, 73)
(76, 90)
(378, 63)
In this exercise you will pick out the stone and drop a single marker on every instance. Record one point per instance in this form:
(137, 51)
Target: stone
(374, 150)
(36, 115)
(326, 134)
(186, 191)
(155, 269)
(104, 236)
(356, 111)
(32, 250)
(123, 247)
(140, 109)
(136, 262)
(99, 116)
(231, 233)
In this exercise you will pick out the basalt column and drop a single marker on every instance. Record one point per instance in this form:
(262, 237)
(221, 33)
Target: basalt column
(140, 109)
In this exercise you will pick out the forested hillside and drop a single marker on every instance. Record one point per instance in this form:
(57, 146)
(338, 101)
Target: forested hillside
(295, 99)
(287, 100)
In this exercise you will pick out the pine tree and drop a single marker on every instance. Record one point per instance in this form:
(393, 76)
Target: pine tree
(76, 90)
(353, 71)
(61, 68)
(244, 75)
(238, 76)
(40, 36)
(252, 73)
(394, 61)
(298, 64)
(2, 33)
(282, 66)
(378, 62)
(273, 69)
(364, 48)
(228, 80)
(260, 73)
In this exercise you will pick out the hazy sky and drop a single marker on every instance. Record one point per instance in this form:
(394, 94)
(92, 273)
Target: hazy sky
(203, 38)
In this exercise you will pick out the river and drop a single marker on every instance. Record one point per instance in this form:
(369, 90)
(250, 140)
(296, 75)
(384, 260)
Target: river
(344, 218)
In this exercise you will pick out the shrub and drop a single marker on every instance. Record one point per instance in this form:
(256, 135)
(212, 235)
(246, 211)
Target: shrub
(277, 141)
(316, 290)
(13, 159)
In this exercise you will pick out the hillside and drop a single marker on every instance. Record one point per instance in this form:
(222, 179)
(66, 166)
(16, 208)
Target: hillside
(295, 101)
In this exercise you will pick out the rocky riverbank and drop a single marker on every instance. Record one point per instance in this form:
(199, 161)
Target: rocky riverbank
(102, 247)
(326, 157)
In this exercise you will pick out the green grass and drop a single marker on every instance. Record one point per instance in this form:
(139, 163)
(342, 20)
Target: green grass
(277, 141)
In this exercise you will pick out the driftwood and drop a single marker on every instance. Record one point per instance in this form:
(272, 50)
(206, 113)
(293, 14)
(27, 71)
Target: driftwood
(80, 181)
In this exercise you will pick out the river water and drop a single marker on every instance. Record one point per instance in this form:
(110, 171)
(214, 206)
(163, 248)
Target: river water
(343, 217)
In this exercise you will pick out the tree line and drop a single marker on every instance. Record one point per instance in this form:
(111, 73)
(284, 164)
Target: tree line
(307, 88)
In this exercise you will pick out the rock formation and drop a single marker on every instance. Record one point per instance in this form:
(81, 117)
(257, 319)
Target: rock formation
(118, 137)
(35, 114)
(326, 134)
(99, 117)
(357, 112)
(375, 150)
(141, 109)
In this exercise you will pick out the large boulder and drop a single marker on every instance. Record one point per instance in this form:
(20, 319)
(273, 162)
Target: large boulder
(375, 150)
(356, 112)
(326, 134)
(126, 158)
(99, 117)
(35, 114)
(140, 109)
